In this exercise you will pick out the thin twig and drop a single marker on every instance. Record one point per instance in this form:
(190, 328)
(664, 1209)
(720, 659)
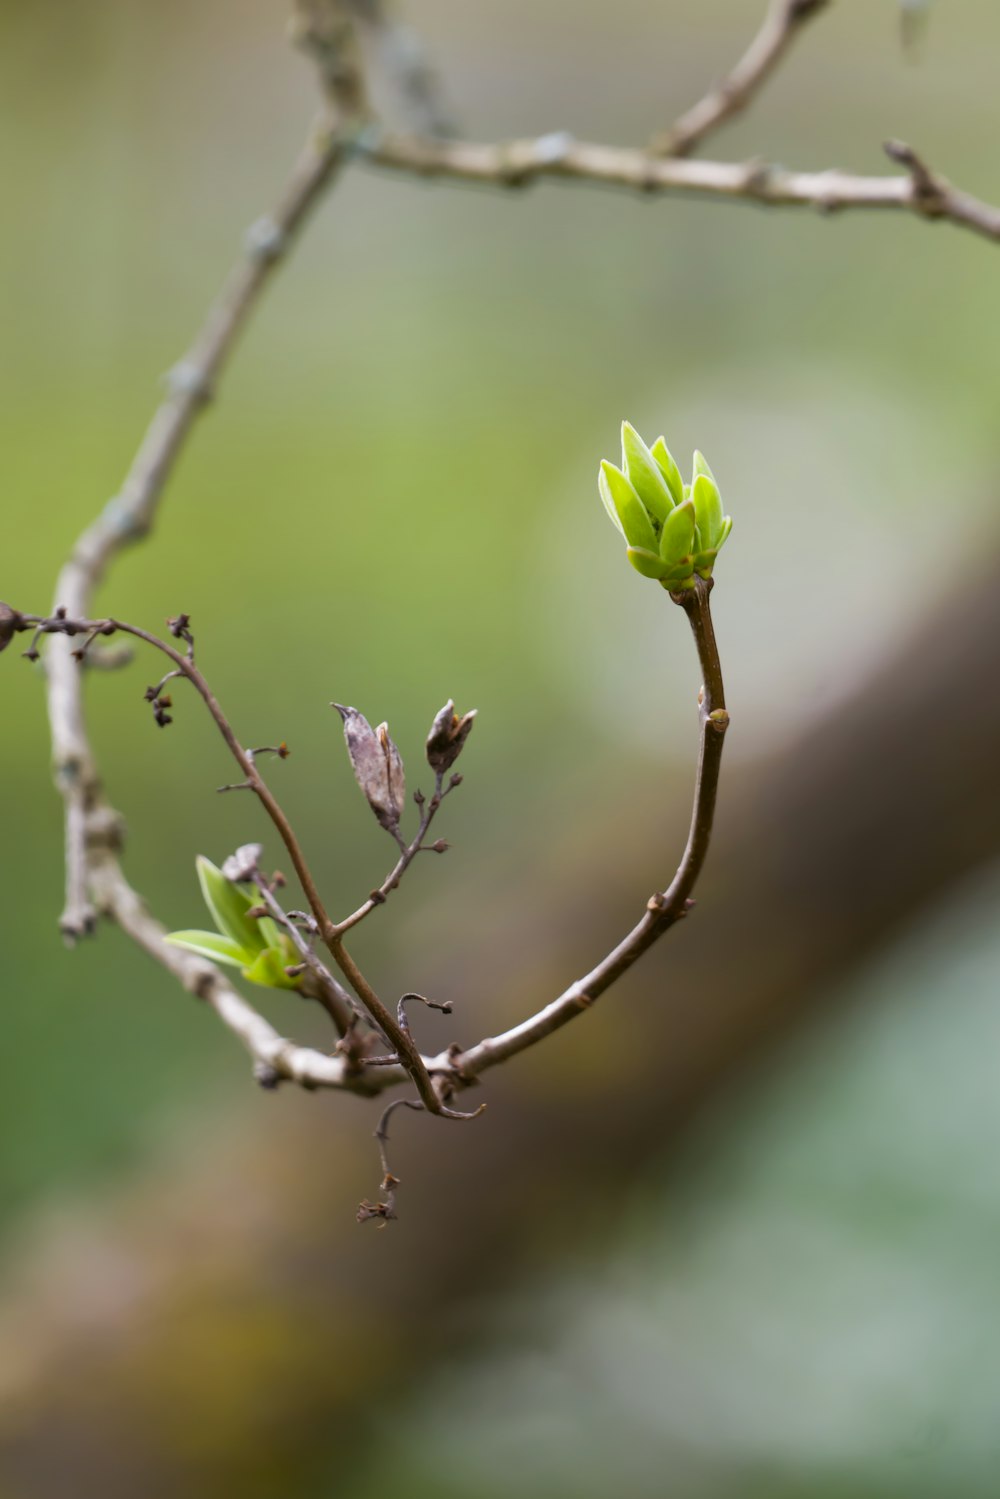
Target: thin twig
(339, 1004)
(516, 163)
(403, 59)
(782, 23)
(385, 1209)
(378, 897)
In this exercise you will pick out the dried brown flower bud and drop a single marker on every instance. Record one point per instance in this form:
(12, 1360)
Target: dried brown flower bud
(447, 737)
(378, 766)
(242, 865)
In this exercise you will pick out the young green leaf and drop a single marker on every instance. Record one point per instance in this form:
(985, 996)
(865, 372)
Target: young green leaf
(635, 523)
(228, 905)
(647, 563)
(701, 467)
(669, 470)
(605, 491)
(677, 540)
(708, 509)
(268, 970)
(644, 474)
(211, 945)
(271, 934)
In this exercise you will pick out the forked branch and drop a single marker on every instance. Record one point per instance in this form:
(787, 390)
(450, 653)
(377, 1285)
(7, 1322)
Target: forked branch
(345, 129)
(783, 21)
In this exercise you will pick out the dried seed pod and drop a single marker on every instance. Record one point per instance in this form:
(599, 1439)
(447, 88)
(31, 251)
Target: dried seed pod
(242, 865)
(447, 737)
(395, 774)
(378, 766)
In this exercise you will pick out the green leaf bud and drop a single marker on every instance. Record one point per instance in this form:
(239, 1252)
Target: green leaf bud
(648, 563)
(707, 509)
(604, 489)
(673, 530)
(669, 470)
(677, 537)
(645, 475)
(211, 945)
(268, 970)
(228, 905)
(636, 526)
(701, 467)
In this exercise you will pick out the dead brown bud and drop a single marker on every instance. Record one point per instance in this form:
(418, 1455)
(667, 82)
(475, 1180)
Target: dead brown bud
(447, 737)
(242, 865)
(377, 764)
(368, 1210)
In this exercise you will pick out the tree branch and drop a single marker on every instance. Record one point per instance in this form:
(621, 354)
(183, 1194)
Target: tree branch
(380, 896)
(130, 514)
(558, 155)
(63, 626)
(95, 882)
(782, 23)
(434, 1077)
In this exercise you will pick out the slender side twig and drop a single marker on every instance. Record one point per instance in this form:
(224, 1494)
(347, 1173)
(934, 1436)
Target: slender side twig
(782, 23)
(378, 897)
(385, 1208)
(404, 60)
(663, 909)
(516, 163)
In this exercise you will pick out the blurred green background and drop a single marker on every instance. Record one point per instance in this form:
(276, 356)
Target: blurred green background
(393, 503)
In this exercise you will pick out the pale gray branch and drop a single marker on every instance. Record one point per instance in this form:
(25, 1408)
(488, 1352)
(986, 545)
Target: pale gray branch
(783, 21)
(519, 162)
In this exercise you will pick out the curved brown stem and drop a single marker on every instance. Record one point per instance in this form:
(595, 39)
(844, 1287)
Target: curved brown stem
(663, 909)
